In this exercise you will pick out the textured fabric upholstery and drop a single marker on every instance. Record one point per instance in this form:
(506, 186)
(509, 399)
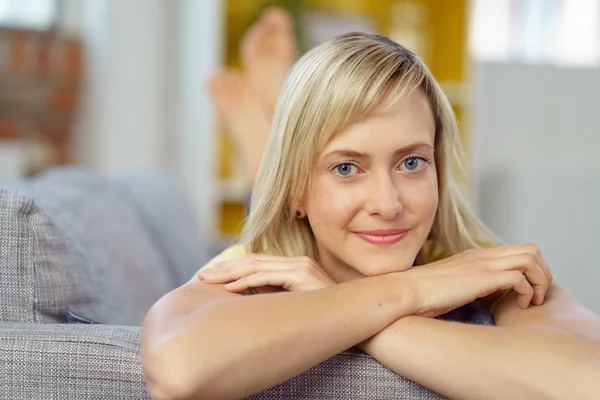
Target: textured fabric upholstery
(121, 268)
(107, 248)
(65, 361)
(38, 274)
(62, 361)
(169, 221)
(351, 375)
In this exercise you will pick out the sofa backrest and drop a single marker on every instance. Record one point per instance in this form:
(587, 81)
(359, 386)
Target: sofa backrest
(37, 272)
(105, 248)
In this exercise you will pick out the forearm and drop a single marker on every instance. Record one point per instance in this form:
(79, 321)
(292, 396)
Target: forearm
(238, 346)
(562, 312)
(474, 362)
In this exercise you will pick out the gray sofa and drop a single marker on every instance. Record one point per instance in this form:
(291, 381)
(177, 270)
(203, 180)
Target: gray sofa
(82, 258)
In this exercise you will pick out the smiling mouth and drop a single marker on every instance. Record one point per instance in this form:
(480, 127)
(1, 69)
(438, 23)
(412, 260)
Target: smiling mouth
(382, 237)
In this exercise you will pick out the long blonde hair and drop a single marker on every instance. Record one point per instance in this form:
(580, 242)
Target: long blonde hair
(340, 82)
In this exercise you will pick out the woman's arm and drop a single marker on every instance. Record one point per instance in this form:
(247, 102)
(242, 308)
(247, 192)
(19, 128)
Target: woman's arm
(202, 342)
(205, 340)
(545, 352)
(560, 311)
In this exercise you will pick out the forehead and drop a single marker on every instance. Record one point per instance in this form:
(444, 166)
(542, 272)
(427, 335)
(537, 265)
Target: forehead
(410, 120)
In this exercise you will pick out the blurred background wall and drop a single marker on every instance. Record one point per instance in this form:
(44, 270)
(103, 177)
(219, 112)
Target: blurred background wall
(111, 84)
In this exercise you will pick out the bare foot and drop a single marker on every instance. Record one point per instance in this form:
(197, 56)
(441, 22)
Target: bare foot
(268, 52)
(243, 116)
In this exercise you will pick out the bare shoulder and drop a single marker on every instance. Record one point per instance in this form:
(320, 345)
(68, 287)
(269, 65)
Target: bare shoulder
(188, 298)
(560, 310)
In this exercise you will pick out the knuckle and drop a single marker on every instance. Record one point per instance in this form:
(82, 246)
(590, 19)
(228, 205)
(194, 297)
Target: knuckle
(305, 259)
(526, 259)
(516, 276)
(531, 248)
(307, 262)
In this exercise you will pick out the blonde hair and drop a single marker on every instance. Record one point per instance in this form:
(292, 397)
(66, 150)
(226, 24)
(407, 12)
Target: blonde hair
(340, 82)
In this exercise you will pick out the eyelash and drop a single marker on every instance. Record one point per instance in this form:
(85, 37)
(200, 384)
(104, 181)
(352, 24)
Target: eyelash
(336, 166)
(417, 156)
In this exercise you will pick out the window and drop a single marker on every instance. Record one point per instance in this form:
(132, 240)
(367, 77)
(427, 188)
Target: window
(543, 32)
(32, 14)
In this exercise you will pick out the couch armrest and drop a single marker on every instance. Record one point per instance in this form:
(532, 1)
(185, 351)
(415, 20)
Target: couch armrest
(70, 361)
(349, 375)
(78, 361)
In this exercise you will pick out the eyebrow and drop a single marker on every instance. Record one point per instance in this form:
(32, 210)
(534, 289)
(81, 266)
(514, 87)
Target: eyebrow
(358, 154)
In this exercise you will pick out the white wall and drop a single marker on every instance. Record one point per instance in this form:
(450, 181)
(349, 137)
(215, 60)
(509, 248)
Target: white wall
(200, 54)
(144, 99)
(536, 141)
(126, 96)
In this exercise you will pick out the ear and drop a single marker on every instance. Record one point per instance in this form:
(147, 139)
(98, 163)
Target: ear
(301, 205)
(300, 210)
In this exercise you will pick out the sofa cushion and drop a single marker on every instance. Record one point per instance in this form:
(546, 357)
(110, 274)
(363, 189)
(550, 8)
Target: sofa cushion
(102, 253)
(161, 203)
(37, 271)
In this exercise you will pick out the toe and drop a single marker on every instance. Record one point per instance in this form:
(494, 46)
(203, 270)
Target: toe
(254, 40)
(278, 19)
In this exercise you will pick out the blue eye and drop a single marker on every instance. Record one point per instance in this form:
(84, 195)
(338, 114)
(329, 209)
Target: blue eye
(413, 163)
(345, 169)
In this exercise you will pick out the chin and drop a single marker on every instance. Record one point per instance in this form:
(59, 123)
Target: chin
(385, 263)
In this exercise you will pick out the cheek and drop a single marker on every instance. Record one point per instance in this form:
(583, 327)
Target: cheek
(422, 198)
(330, 206)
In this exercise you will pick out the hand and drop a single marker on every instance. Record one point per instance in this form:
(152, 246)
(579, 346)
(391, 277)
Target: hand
(295, 274)
(447, 284)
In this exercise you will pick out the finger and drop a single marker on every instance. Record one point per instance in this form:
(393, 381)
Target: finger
(217, 268)
(285, 262)
(281, 278)
(525, 291)
(503, 251)
(537, 254)
(516, 281)
(244, 267)
(527, 265)
(224, 265)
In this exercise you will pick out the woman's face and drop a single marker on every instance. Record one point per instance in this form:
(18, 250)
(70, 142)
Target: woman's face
(373, 195)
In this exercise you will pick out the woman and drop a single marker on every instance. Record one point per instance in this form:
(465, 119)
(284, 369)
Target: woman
(356, 217)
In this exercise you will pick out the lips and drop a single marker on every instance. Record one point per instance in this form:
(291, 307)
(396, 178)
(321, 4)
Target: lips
(382, 236)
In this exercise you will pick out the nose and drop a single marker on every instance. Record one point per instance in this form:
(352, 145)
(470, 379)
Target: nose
(383, 198)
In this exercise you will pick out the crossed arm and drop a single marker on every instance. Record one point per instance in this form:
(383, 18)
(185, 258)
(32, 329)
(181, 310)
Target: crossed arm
(546, 352)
